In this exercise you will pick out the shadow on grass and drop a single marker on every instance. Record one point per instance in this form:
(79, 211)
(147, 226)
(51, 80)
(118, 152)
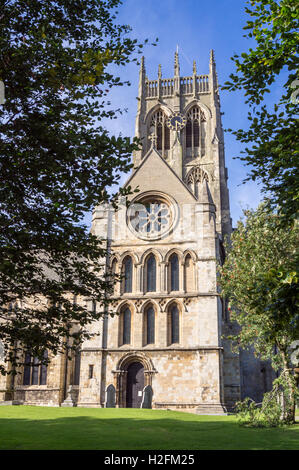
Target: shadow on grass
(131, 433)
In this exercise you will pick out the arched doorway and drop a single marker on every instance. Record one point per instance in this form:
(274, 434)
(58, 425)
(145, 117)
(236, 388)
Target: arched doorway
(127, 385)
(135, 385)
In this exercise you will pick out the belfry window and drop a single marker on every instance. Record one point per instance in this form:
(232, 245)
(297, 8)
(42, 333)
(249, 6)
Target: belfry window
(159, 128)
(150, 274)
(195, 129)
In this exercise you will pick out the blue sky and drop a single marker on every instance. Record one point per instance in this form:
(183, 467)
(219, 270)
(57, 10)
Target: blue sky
(196, 26)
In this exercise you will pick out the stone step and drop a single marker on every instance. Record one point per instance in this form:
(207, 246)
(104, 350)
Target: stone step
(10, 402)
(213, 409)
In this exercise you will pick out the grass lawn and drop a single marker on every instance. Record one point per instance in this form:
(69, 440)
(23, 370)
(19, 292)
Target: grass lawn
(29, 427)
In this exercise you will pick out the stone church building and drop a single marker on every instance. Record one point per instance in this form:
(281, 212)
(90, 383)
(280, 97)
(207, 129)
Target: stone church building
(164, 346)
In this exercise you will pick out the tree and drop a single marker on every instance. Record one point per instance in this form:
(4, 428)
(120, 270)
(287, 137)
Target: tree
(272, 136)
(260, 279)
(57, 161)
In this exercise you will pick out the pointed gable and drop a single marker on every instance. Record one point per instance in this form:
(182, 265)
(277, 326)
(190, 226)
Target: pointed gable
(154, 174)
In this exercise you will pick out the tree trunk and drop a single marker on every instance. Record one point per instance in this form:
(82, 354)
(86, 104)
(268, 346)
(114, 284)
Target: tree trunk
(289, 392)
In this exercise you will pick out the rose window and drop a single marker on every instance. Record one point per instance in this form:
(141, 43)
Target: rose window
(151, 218)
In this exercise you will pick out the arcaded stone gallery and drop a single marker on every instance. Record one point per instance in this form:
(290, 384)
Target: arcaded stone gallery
(164, 345)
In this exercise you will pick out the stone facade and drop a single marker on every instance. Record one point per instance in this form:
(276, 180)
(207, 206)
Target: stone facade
(190, 177)
(166, 320)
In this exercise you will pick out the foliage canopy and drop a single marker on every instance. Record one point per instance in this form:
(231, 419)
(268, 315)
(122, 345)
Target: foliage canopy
(272, 137)
(57, 162)
(260, 279)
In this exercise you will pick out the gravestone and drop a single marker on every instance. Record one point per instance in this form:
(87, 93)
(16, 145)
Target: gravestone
(110, 397)
(147, 397)
(71, 396)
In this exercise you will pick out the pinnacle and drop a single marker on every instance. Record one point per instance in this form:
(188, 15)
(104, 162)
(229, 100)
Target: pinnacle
(194, 67)
(142, 66)
(159, 71)
(212, 57)
(176, 63)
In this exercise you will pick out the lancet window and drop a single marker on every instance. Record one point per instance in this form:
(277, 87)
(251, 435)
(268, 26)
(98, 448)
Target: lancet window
(173, 325)
(128, 274)
(125, 326)
(150, 268)
(174, 272)
(149, 325)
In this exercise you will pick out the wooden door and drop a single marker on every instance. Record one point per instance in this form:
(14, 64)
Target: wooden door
(135, 385)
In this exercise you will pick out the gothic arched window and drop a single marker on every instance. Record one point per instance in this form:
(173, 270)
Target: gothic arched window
(149, 325)
(126, 326)
(174, 272)
(127, 272)
(159, 128)
(173, 325)
(151, 273)
(195, 129)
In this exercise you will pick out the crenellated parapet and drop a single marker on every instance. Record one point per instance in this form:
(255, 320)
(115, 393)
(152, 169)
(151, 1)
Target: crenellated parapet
(188, 86)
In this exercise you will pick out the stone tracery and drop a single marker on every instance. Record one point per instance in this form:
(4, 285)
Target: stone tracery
(195, 177)
(160, 131)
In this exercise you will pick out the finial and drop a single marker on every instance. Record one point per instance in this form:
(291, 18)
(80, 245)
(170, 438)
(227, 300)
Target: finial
(194, 67)
(176, 62)
(159, 71)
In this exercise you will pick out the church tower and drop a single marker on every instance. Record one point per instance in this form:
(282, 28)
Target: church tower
(163, 347)
(160, 344)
